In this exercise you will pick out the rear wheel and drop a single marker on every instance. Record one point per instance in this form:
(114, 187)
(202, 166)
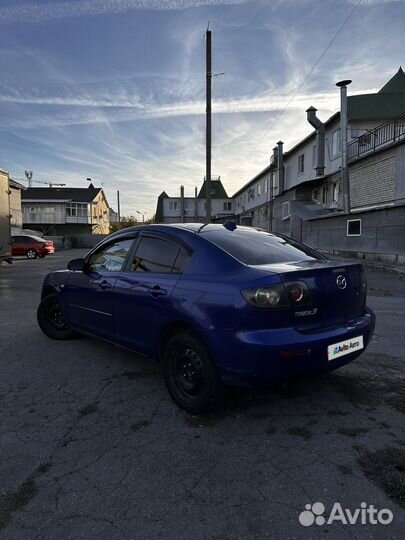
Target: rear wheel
(51, 320)
(190, 374)
(31, 254)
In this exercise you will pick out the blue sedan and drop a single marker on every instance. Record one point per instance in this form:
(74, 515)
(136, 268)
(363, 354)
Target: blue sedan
(215, 304)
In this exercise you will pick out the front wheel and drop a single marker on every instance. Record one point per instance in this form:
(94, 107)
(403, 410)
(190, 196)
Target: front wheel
(51, 320)
(31, 254)
(190, 374)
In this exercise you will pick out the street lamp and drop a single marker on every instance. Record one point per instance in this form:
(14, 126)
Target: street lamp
(142, 214)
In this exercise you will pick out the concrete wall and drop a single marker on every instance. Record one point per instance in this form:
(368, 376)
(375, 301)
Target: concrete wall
(382, 233)
(83, 240)
(5, 247)
(15, 207)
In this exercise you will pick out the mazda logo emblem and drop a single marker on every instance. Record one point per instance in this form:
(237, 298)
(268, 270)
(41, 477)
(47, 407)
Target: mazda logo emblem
(341, 282)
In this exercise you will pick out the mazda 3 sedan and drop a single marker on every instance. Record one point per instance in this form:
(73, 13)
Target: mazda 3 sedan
(215, 304)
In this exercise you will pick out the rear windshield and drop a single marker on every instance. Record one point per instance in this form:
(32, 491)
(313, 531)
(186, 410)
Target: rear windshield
(255, 247)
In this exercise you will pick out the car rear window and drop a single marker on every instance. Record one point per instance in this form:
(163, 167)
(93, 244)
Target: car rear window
(255, 247)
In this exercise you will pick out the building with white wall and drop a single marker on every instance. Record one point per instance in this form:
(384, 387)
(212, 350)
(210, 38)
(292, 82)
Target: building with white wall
(301, 189)
(184, 209)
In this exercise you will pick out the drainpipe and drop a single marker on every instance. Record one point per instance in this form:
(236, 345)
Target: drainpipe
(196, 204)
(320, 140)
(343, 138)
(182, 204)
(280, 166)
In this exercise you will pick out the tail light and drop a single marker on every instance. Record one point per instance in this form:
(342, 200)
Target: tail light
(291, 294)
(298, 293)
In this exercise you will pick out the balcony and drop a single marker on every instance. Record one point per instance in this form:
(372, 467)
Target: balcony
(78, 219)
(384, 135)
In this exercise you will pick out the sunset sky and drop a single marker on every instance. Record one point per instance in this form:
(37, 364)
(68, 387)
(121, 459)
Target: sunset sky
(115, 89)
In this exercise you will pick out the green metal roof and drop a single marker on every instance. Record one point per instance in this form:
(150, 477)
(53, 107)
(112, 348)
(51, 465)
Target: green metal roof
(396, 84)
(217, 190)
(387, 103)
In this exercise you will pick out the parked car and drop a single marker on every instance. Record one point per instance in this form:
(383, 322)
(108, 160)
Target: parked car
(31, 246)
(215, 304)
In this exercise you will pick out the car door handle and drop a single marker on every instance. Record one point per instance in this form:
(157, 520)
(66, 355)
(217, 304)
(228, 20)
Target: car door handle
(104, 285)
(157, 291)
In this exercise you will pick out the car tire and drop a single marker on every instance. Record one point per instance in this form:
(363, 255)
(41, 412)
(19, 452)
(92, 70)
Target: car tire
(190, 374)
(51, 320)
(31, 254)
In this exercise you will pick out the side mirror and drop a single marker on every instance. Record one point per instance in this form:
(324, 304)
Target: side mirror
(77, 265)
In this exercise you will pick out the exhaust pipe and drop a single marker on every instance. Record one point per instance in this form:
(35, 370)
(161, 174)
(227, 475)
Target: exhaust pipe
(320, 140)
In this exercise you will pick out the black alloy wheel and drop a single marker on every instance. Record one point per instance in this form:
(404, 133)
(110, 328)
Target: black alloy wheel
(190, 374)
(51, 319)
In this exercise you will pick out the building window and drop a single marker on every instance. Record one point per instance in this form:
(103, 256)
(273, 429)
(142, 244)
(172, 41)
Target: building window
(315, 195)
(301, 164)
(335, 192)
(76, 210)
(259, 190)
(336, 142)
(42, 210)
(286, 210)
(266, 186)
(353, 227)
(227, 206)
(325, 195)
(251, 194)
(173, 205)
(314, 156)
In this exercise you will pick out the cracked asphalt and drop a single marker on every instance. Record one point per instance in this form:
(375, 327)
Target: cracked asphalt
(92, 447)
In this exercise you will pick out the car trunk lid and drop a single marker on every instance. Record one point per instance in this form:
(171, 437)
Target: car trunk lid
(337, 292)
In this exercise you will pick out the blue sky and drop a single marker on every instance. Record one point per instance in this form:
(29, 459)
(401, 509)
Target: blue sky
(114, 89)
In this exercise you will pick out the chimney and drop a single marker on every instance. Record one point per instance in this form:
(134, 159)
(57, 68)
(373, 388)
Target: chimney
(343, 142)
(280, 167)
(275, 154)
(182, 204)
(320, 140)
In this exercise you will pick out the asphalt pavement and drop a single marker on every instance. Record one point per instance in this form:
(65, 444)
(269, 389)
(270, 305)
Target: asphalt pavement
(92, 447)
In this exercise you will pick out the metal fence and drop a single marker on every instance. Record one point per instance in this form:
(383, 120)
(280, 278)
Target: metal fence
(387, 133)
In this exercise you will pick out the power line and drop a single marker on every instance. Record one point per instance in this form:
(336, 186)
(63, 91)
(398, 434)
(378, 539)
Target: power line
(293, 96)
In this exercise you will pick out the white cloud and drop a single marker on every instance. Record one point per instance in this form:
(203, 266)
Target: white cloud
(34, 13)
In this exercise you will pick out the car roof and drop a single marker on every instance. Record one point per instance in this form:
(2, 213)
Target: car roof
(197, 228)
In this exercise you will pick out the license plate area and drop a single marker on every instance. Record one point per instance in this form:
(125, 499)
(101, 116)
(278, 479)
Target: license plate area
(336, 350)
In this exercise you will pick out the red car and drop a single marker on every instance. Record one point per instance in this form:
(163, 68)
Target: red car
(31, 246)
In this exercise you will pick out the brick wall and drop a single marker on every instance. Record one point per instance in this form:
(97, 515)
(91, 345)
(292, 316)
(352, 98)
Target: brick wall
(373, 180)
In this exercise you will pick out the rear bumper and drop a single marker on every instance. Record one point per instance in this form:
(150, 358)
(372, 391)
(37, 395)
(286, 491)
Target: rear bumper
(267, 356)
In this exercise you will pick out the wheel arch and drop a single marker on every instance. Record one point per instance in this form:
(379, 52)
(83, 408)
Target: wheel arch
(47, 291)
(174, 328)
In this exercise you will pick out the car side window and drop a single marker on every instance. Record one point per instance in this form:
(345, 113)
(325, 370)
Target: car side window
(110, 258)
(159, 256)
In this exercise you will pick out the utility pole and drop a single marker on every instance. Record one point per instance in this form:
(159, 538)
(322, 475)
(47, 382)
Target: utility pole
(208, 128)
(118, 206)
(343, 139)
